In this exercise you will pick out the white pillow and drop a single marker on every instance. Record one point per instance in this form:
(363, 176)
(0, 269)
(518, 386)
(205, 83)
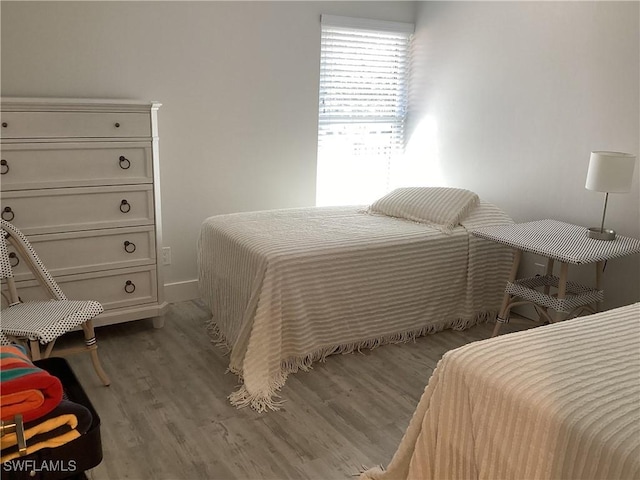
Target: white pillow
(440, 207)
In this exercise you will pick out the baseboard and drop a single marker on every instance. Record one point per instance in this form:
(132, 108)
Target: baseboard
(181, 291)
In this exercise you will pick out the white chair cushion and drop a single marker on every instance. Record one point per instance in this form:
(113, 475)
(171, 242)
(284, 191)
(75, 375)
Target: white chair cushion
(47, 320)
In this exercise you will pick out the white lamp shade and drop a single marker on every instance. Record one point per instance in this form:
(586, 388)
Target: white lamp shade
(610, 172)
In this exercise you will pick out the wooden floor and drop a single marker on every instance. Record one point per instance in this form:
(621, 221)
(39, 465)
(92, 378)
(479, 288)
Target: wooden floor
(166, 415)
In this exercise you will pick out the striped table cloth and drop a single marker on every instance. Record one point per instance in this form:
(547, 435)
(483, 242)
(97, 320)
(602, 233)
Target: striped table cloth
(556, 402)
(286, 288)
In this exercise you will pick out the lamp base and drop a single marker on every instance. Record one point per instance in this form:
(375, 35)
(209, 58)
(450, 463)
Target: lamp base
(601, 234)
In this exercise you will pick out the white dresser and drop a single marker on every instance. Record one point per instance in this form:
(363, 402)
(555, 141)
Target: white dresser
(80, 178)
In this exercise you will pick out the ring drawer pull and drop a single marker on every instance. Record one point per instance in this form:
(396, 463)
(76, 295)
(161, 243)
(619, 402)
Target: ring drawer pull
(117, 125)
(4, 167)
(129, 247)
(13, 259)
(124, 162)
(129, 286)
(8, 214)
(5, 124)
(125, 207)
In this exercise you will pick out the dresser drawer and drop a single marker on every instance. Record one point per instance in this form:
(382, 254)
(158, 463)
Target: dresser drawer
(74, 209)
(90, 251)
(74, 124)
(51, 165)
(110, 288)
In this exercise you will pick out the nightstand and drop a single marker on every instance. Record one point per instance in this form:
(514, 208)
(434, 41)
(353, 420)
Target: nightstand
(557, 241)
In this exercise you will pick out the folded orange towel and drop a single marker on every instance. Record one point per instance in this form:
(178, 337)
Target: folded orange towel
(10, 439)
(49, 443)
(20, 402)
(19, 377)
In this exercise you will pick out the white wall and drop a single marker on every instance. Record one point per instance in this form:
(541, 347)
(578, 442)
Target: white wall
(238, 81)
(515, 95)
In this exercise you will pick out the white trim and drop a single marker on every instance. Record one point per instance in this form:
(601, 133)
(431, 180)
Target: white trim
(366, 24)
(181, 291)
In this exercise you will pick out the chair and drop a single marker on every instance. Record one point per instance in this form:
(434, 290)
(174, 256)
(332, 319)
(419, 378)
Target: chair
(42, 322)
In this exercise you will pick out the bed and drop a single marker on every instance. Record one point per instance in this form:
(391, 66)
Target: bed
(287, 288)
(559, 401)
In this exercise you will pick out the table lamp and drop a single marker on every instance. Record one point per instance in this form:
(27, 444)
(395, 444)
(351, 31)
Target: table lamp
(609, 172)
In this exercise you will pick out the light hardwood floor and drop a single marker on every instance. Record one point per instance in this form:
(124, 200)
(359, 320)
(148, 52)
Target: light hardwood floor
(166, 415)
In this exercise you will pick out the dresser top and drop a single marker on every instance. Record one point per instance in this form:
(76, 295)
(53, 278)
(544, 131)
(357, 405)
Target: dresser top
(36, 104)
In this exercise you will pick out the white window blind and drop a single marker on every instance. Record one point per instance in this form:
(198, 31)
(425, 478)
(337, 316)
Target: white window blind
(364, 73)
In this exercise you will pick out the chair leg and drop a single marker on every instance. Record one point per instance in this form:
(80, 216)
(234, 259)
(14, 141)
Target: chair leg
(50, 345)
(98, 366)
(34, 347)
(92, 346)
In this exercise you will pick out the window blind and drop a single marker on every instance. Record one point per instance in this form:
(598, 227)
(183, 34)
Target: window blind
(364, 73)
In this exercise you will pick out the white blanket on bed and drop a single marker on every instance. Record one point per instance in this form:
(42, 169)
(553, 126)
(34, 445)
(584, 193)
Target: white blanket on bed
(289, 287)
(556, 402)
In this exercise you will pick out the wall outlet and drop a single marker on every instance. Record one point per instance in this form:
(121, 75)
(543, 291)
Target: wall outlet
(166, 255)
(540, 269)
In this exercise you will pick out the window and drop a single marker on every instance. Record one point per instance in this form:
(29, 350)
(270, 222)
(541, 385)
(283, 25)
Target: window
(364, 74)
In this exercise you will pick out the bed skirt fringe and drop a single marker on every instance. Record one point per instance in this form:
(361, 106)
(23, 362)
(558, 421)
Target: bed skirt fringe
(217, 337)
(374, 473)
(269, 400)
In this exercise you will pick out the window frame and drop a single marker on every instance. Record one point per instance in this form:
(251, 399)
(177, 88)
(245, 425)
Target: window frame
(363, 120)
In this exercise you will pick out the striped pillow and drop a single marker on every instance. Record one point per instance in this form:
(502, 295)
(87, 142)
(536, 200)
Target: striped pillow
(440, 207)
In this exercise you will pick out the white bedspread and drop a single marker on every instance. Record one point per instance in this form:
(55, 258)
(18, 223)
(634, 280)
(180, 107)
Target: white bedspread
(289, 287)
(556, 402)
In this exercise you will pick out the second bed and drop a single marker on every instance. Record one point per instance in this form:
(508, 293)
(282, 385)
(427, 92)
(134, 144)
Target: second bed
(287, 288)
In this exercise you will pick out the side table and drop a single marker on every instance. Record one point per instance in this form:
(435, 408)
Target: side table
(562, 242)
